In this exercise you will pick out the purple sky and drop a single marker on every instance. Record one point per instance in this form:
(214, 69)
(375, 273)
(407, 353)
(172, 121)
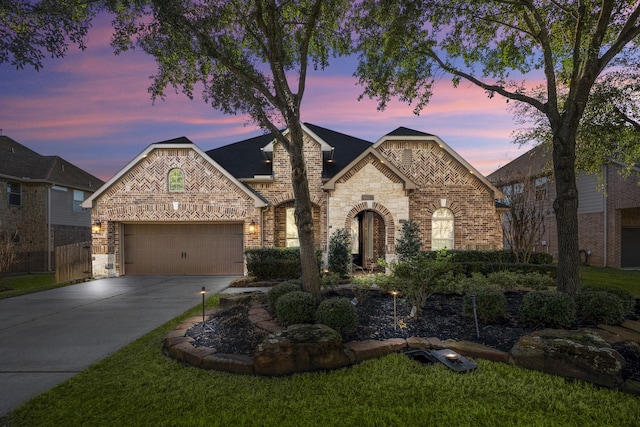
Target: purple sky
(92, 108)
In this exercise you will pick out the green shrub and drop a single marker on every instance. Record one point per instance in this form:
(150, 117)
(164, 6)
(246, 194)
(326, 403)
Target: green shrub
(295, 307)
(361, 286)
(339, 258)
(536, 281)
(599, 307)
(385, 282)
(505, 279)
(491, 304)
(548, 308)
(278, 290)
(627, 299)
(339, 314)
(330, 281)
(409, 244)
(417, 278)
(276, 263)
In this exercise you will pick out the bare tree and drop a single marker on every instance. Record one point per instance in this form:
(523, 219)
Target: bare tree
(7, 253)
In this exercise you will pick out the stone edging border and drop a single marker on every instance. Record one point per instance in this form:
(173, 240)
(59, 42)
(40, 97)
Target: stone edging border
(179, 346)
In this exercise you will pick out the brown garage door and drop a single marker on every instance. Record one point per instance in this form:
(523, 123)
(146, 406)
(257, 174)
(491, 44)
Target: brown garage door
(177, 249)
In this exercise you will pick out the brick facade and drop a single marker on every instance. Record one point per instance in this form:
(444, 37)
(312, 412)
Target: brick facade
(380, 181)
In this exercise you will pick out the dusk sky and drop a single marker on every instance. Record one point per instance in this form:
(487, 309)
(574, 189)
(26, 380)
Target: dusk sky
(92, 108)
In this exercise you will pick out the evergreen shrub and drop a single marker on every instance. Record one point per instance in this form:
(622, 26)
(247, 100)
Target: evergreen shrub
(491, 304)
(339, 258)
(278, 290)
(599, 307)
(549, 309)
(295, 307)
(627, 299)
(338, 314)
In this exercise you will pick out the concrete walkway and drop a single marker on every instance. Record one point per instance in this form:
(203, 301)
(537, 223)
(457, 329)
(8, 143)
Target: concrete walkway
(48, 337)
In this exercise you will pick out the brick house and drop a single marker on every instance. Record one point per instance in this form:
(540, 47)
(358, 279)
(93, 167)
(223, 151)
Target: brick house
(40, 205)
(175, 209)
(608, 207)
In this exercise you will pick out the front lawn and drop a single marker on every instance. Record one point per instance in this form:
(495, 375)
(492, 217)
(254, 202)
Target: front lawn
(629, 280)
(14, 285)
(139, 386)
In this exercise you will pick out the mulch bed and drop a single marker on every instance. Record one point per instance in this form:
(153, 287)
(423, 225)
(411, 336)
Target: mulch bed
(232, 332)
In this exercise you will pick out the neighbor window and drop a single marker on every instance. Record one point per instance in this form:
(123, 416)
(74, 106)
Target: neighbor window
(14, 191)
(292, 229)
(78, 197)
(541, 188)
(176, 180)
(442, 229)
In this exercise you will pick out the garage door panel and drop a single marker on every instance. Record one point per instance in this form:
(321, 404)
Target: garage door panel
(189, 249)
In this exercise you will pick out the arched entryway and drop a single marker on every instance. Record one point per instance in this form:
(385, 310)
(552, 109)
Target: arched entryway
(372, 232)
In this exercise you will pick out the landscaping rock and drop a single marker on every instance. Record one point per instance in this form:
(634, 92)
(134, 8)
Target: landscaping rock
(573, 354)
(478, 351)
(371, 349)
(301, 348)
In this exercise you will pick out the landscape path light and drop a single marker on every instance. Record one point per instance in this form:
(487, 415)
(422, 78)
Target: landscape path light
(395, 312)
(203, 292)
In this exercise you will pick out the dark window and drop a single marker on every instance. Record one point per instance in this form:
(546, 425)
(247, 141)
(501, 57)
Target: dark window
(15, 193)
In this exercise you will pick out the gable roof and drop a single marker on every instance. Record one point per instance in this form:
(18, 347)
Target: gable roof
(408, 183)
(405, 134)
(23, 164)
(181, 142)
(246, 159)
(533, 163)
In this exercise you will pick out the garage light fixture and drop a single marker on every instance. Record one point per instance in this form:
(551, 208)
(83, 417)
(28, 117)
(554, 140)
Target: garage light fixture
(96, 227)
(252, 227)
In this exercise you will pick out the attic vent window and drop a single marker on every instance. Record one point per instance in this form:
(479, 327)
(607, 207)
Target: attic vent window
(407, 157)
(367, 197)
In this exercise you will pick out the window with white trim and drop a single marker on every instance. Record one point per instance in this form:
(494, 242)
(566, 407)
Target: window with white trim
(291, 229)
(442, 224)
(78, 198)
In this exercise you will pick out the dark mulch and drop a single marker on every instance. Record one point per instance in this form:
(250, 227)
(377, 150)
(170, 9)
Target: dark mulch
(232, 332)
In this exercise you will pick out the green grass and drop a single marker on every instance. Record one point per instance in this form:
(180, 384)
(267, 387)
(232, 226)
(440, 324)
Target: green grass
(12, 286)
(628, 280)
(139, 386)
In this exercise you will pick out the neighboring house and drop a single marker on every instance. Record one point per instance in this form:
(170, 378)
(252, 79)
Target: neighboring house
(176, 209)
(40, 204)
(608, 207)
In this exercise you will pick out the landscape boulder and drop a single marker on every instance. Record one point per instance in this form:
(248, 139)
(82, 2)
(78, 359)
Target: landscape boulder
(301, 348)
(576, 354)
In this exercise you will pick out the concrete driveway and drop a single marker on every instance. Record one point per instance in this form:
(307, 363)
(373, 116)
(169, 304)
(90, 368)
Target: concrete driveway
(48, 337)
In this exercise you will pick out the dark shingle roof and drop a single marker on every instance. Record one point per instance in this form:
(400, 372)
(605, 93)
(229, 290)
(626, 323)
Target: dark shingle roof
(244, 159)
(403, 131)
(22, 163)
(533, 163)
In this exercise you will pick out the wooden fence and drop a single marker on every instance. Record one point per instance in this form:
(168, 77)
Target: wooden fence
(73, 262)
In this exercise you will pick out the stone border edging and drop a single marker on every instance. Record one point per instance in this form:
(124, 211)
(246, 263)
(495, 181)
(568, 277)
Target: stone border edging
(179, 346)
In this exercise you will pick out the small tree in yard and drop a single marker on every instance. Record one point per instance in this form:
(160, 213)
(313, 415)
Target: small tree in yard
(340, 253)
(7, 254)
(409, 243)
(417, 278)
(524, 222)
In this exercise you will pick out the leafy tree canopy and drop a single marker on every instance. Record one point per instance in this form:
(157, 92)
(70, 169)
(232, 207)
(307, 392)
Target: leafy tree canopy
(566, 50)
(29, 30)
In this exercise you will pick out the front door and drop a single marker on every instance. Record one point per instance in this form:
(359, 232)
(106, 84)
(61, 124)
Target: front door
(368, 237)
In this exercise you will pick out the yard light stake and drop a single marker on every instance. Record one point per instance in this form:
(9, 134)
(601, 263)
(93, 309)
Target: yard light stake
(203, 291)
(475, 314)
(395, 312)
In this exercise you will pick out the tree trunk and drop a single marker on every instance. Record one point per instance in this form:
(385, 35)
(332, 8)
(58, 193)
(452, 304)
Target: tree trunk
(303, 213)
(566, 209)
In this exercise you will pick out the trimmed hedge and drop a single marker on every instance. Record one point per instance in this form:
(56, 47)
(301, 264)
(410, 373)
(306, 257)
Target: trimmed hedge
(276, 263)
(487, 262)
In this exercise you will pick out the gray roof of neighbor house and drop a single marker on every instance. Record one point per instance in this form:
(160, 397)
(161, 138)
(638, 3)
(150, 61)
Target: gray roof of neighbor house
(23, 164)
(534, 163)
(245, 159)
